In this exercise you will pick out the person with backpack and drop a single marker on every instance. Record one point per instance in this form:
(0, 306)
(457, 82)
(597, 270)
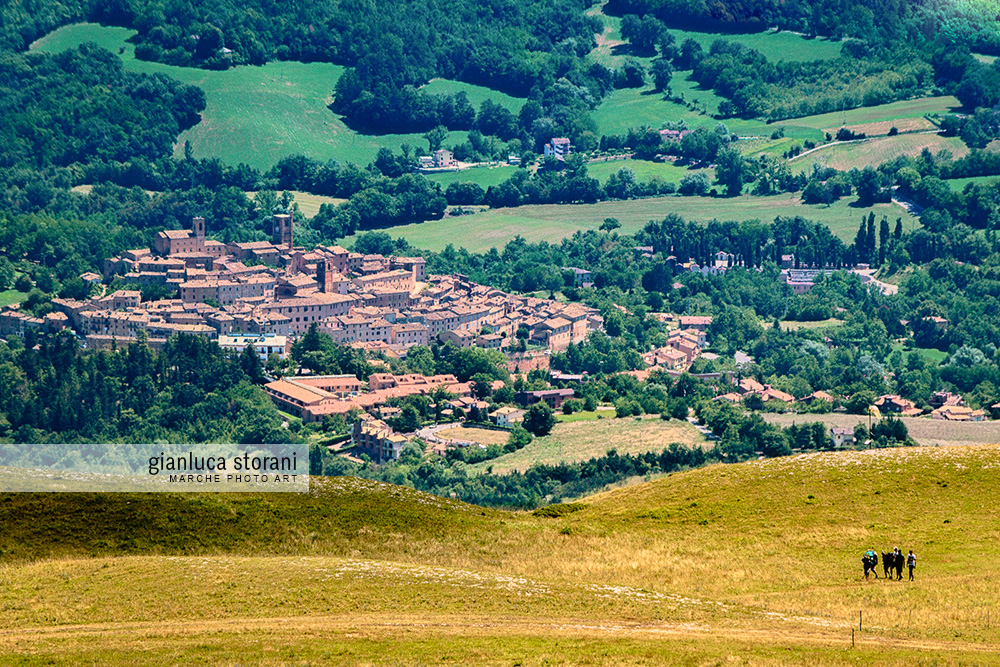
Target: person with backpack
(870, 560)
(911, 562)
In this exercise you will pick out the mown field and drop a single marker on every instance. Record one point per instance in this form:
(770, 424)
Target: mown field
(643, 170)
(581, 440)
(308, 203)
(256, 115)
(484, 177)
(905, 116)
(552, 222)
(846, 156)
(753, 564)
(930, 432)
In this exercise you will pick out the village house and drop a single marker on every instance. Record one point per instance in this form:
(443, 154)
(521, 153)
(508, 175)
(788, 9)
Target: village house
(558, 148)
(553, 397)
(264, 345)
(842, 437)
(377, 440)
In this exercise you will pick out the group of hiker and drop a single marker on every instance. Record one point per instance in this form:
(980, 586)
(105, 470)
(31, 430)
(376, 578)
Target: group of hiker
(891, 562)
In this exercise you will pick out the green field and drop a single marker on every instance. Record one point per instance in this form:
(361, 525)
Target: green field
(482, 176)
(790, 325)
(905, 115)
(553, 222)
(588, 438)
(934, 356)
(846, 156)
(255, 115)
(476, 94)
(775, 46)
(749, 564)
(11, 296)
(958, 184)
(643, 170)
(636, 107)
(308, 203)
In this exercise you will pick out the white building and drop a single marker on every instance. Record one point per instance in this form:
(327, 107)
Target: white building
(264, 344)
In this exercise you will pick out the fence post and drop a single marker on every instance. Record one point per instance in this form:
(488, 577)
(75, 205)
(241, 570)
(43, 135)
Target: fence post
(860, 619)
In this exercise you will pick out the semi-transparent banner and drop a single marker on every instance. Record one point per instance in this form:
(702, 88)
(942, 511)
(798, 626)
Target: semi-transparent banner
(279, 468)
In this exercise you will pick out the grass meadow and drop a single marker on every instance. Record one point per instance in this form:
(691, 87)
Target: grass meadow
(553, 222)
(644, 170)
(926, 431)
(907, 115)
(258, 115)
(581, 440)
(308, 203)
(484, 177)
(11, 296)
(958, 184)
(476, 94)
(846, 156)
(755, 563)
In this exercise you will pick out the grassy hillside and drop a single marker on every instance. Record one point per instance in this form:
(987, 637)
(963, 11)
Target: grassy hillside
(476, 94)
(551, 222)
(904, 116)
(845, 156)
(755, 563)
(582, 440)
(256, 115)
(775, 46)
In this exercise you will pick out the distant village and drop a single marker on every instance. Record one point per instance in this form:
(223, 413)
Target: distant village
(264, 294)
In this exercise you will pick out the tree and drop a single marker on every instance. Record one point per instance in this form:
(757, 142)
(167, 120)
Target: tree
(250, 364)
(408, 420)
(539, 419)
(610, 224)
(730, 169)
(482, 385)
(662, 72)
(436, 137)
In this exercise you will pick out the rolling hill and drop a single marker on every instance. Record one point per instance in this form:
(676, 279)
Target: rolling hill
(754, 563)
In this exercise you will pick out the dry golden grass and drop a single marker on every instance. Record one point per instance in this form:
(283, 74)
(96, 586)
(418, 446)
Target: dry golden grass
(754, 563)
(579, 441)
(877, 151)
(929, 432)
(875, 129)
(483, 436)
(308, 203)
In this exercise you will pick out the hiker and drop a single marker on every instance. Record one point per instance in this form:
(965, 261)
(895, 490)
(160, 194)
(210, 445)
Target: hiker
(887, 563)
(898, 563)
(911, 562)
(870, 561)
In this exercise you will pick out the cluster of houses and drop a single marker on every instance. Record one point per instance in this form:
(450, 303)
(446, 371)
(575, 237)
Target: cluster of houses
(274, 288)
(944, 405)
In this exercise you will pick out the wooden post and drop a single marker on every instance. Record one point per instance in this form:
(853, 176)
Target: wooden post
(860, 619)
(852, 637)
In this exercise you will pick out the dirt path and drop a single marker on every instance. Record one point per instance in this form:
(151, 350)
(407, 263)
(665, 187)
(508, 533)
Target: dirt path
(388, 627)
